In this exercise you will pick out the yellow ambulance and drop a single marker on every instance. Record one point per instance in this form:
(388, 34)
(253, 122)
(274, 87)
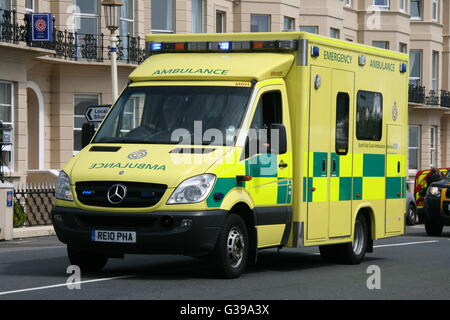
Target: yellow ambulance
(224, 144)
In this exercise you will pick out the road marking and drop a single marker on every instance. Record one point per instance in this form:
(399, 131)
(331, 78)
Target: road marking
(63, 285)
(405, 244)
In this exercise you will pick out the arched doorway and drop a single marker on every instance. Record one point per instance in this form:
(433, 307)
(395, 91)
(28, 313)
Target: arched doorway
(35, 127)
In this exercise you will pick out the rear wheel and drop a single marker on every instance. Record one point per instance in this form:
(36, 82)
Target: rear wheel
(349, 253)
(230, 256)
(87, 261)
(432, 227)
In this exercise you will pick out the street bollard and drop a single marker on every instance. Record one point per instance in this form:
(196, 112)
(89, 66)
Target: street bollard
(6, 211)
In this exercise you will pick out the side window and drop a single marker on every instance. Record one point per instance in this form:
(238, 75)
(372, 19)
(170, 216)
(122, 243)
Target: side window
(369, 116)
(268, 111)
(342, 119)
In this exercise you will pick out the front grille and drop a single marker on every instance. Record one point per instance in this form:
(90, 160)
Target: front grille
(139, 195)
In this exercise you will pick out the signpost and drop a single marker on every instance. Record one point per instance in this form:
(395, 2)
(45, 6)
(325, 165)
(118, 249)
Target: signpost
(96, 113)
(42, 25)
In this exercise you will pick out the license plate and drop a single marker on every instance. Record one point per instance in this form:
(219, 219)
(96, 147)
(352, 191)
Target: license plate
(113, 236)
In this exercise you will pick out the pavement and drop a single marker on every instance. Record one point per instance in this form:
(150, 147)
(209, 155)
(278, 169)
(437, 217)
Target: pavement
(413, 266)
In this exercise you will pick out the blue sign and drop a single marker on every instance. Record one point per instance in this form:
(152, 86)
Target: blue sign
(9, 198)
(42, 25)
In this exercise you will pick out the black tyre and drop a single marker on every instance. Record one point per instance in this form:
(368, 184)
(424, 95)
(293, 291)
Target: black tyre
(411, 216)
(349, 253)
(230, 255)
(432, 227)
(87, 261)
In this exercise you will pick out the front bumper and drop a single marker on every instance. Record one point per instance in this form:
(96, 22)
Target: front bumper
(74, 227)
(437, 209)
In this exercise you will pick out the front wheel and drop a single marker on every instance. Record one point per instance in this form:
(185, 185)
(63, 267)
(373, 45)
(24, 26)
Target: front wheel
(230, 255)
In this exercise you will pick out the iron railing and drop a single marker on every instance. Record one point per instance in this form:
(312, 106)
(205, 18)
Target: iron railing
(15, 28)
(417, 94)
(37, 203)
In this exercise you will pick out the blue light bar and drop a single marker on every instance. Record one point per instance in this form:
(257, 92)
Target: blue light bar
(156, 46)
(224, 45)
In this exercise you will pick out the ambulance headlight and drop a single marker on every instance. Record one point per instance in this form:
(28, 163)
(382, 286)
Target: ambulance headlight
(434, 191)
(193, 190)
(63, 190)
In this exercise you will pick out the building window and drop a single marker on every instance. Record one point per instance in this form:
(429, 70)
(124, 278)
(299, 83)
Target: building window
(415, 65)
(435, 10)
(162, 15)
(127, 18)
(348, 3)
(260, 23)
(433, 143)
(87, 17)
(435, 71)
(310, 29)
(369, 116)
(416, 9)
(197, 16)
(381, 44)
(29, 6)
(335, 33)
(288, 24)
(221, 21)
(81, 103)
(342, 123)
(403, 47)
(382, 4)
(6, 117)
(402, 5)
(5, 4)
(414, 147)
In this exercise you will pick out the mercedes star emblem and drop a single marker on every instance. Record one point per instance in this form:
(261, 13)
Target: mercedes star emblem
(117, 193)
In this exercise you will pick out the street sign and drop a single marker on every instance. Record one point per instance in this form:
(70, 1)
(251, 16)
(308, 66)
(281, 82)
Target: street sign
(9, 198)
(96, 113)
(42, 24)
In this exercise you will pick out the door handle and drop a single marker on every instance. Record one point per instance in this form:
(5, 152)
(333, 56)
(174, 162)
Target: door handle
(283, 165)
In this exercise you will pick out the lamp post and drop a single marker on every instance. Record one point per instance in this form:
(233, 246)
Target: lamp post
(112, 9)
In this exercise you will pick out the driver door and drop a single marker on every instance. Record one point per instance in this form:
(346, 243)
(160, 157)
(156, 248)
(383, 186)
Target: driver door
(271, 172)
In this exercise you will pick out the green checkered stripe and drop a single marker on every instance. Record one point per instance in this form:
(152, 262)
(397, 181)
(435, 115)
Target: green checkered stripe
(260, 166)
(344, 186)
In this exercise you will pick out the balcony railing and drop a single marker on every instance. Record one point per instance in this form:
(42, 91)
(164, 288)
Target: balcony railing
(15, 28)
(417, 94)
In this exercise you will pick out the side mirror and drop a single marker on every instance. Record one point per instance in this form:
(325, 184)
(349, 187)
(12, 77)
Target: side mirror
(87, 132)
(278, 138)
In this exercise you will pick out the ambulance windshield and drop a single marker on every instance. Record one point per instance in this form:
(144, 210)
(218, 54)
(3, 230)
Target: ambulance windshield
(200, 115)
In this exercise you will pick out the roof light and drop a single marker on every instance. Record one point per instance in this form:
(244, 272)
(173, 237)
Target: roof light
(362, 60)
(315, 51)
(257, 45)
(224, 45)
(403, 68)
(196, 46)
(155, 46)
(180, 46)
